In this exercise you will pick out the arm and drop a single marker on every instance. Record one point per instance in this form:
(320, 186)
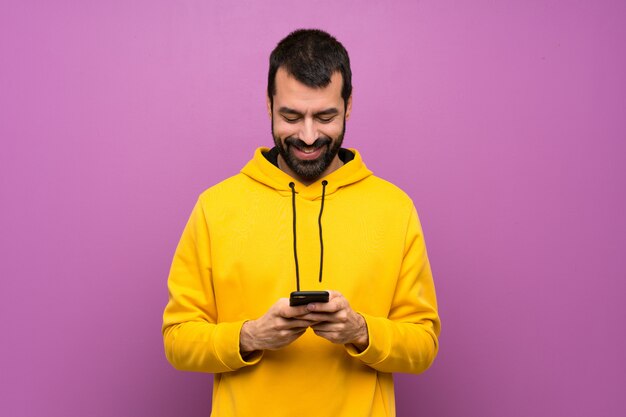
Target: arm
(193, 339)
(406, 340)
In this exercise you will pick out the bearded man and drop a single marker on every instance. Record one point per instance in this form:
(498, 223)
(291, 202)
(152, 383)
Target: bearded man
(306, 214)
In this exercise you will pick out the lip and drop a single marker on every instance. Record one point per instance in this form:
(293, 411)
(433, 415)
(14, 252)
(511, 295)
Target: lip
(307, 156)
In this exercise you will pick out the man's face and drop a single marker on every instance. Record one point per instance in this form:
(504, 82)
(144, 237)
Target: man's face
(308, 125)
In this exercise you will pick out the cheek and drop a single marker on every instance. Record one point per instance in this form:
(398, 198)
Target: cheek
(284, 130)
(332, 130)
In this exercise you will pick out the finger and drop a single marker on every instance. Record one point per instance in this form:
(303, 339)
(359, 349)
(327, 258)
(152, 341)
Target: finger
(331, 336)
(289, 334)
(298, 323)
(325, 327)
(286, 340)
(288, 311)
(319, 317)
(332, 306)
(332, 294)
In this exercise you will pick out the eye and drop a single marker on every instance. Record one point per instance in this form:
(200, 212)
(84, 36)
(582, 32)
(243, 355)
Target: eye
(291, 119)
(325, 119)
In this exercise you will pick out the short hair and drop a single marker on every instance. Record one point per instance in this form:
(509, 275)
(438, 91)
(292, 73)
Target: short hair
(311, 56)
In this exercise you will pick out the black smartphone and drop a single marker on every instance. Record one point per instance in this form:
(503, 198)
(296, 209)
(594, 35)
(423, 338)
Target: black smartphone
(298, 298)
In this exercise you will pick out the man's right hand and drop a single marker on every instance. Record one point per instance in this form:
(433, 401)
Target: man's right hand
(275, 329)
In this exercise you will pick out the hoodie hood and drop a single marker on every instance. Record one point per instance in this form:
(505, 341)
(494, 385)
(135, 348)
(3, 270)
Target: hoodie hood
(263, 171)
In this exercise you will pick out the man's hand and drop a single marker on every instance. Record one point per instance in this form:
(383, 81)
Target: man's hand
(337, 322)
(281, 325)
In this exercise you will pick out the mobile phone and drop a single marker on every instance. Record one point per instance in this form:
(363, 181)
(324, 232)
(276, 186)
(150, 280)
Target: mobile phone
(298, 298)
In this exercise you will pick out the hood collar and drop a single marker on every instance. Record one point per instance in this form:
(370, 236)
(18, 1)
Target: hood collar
(263, 171)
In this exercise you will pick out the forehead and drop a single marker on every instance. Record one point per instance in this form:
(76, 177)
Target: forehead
(292, 93)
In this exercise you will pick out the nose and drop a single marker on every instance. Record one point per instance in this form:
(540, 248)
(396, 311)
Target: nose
(308, 133)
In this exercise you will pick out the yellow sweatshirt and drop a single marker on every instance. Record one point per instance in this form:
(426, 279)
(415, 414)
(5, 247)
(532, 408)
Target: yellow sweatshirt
(236, 258)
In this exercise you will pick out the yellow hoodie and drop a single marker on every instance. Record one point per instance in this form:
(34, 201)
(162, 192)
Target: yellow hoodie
(236, 258)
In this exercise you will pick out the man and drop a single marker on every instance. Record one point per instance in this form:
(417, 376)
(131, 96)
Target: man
(306, 213)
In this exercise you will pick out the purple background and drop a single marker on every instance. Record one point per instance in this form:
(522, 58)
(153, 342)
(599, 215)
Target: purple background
(505, 121)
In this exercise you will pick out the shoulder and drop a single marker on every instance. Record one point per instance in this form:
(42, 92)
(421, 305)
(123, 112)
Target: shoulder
(386, 190)
(379, 199)
(231, 189)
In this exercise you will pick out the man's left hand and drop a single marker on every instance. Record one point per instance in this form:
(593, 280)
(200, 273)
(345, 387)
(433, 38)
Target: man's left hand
(338, 323)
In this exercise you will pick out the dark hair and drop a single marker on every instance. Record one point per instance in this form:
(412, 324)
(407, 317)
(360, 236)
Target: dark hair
(311, 56)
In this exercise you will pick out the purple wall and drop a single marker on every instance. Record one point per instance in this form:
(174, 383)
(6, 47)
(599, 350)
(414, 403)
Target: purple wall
(505, 121)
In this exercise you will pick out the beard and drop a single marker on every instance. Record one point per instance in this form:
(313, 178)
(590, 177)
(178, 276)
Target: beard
(309, 170)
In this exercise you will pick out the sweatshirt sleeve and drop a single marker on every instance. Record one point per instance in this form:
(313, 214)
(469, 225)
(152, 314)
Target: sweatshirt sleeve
(406, 340)
(193, 339)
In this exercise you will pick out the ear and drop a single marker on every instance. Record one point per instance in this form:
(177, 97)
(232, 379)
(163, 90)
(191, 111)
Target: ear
(349, 107)
(269, 107)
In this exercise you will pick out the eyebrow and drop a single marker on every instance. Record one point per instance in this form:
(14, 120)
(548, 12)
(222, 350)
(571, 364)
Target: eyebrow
(325, 112)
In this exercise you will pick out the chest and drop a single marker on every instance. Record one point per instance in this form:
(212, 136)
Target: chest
(358, 249)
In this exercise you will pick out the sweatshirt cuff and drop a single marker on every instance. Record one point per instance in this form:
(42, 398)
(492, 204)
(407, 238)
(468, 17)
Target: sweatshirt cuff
(226, 346)
(379, 346)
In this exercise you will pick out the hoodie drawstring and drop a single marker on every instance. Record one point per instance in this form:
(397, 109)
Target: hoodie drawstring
(295, 246)
(319, 223)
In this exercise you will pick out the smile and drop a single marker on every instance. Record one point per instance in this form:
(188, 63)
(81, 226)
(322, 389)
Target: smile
(308, 154)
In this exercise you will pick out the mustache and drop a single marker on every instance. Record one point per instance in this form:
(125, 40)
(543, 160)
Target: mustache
(300, 144)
